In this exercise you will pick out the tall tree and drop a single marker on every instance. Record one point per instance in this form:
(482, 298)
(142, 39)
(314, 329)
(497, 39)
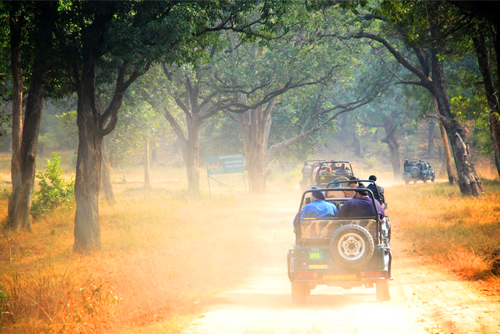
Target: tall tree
(43, 18)
(429, 40)
(122, 39)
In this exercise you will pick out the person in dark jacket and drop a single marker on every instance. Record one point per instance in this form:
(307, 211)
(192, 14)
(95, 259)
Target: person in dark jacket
(360, 206)
(378, 192)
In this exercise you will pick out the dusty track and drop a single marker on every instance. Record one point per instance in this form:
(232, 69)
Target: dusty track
(425, 299)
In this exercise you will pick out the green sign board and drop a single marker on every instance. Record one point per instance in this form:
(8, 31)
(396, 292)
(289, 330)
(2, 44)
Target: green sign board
(226, 164)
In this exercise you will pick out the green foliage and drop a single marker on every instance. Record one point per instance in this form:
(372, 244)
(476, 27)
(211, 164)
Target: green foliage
(4, 306)
(55, 191)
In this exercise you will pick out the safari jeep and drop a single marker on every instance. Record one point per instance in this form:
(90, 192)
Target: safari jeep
(342, 252)
(332, 170)
(416, 170)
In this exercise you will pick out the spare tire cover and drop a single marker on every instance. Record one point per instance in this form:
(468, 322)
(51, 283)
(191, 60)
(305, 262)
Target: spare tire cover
(351, 246)
(414, 171)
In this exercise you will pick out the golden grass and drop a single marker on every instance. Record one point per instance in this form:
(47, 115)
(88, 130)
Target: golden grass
(163, 257)
(457, 232)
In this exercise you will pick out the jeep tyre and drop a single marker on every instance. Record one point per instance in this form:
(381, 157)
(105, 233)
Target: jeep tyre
(299, 292)
(382, 290)
(351, 246)
(415, 171)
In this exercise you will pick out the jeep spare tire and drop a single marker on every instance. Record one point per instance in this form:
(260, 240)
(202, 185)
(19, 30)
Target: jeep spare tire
(351, 246)
(414, 171)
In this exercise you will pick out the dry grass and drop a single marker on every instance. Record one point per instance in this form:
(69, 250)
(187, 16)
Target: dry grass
(163, 258)
(457, 232)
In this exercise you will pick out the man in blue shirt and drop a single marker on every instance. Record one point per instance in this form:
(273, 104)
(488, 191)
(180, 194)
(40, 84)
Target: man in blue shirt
(318, 208)
(360, 206)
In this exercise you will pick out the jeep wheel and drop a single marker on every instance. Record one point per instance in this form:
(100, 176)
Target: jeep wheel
(382, 290)
(407, 181)
(351, 246)
(298, 292)
(425, 180)
(414, 171)
(433, 179)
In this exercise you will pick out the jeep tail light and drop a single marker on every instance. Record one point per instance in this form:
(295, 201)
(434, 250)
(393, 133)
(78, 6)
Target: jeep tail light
(306, 274)
(372, 274)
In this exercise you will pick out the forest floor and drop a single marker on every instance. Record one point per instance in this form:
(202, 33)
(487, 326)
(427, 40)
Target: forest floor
(218, 266)
(426, 296)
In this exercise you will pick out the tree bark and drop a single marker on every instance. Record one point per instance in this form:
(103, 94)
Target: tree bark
(17, 113)
(88, 165)
(255, 125)
(106, 175)
(430, 137)
(147, 182)
(20, 201)
(492, 98)
(447, 155)
(392, 142)
(468, 180)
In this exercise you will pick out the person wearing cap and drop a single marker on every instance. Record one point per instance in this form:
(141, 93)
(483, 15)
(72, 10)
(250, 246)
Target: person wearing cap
(378, 192)
(318, 208)
(360, 206)
(343, 170)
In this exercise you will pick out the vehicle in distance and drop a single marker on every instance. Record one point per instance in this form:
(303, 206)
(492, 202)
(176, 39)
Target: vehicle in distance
(417, 170)
(329, 171)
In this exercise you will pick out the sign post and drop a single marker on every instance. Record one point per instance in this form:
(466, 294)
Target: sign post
(225, 164)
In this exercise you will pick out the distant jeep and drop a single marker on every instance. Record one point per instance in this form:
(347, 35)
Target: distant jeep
(329, 171)
(340, 251)
(416, 170)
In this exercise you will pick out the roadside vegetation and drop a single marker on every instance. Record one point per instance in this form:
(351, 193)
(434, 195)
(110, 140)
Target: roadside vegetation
(161, 260)
(162, 263)
(456, 232)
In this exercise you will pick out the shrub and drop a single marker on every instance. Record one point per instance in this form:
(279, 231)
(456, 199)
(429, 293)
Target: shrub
(4, 307)
(55, 191)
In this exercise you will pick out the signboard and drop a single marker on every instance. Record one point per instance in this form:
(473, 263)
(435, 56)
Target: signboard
(226, 164)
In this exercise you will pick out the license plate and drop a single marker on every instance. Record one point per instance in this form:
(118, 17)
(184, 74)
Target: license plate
(315, 255)
(340, 277)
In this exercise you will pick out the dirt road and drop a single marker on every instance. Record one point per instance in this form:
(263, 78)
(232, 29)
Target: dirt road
(425, 299)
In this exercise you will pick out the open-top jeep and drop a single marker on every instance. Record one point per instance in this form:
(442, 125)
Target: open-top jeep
(417, 169)
(307, 173)
(329, 171)
(340, 251)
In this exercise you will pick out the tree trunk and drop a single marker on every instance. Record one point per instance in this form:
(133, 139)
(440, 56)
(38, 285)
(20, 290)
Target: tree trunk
(392, 142)
(21, 205)
(147, 183)
(255, 161)
(468, 180)
(190, 149)
(17, 113)
(489, 87)
(20, 201)
(430, 138)
(88, 166)
(447, 155)
(255, 125)
(106, 175)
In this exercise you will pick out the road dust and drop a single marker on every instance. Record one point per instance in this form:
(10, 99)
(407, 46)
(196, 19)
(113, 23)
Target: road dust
(425, 299)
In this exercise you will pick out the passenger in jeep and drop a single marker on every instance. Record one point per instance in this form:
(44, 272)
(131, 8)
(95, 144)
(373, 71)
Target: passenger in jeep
(318, 208)
(360, 206)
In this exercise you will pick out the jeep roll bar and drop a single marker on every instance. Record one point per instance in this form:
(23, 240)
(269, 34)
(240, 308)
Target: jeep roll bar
(370, 194)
